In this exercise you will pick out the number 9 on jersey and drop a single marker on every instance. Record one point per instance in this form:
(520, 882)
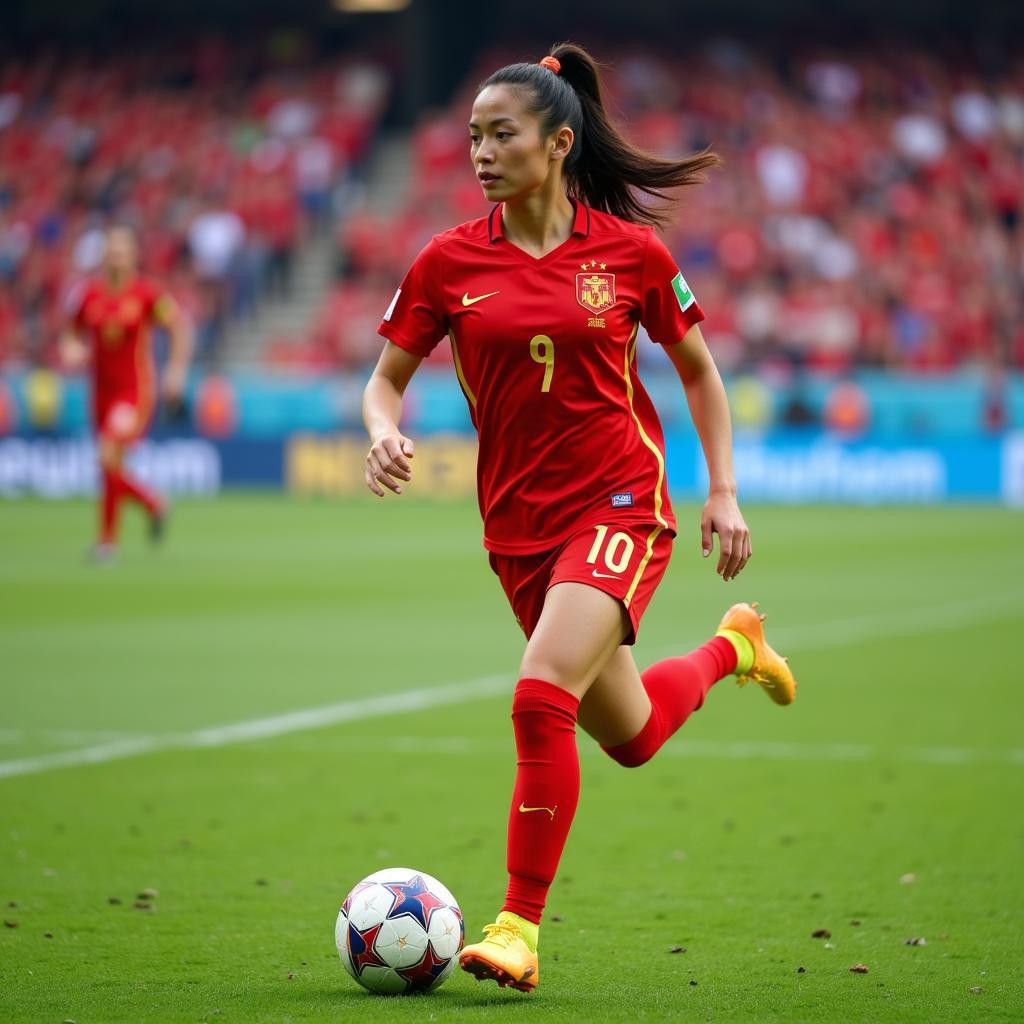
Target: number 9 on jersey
(542, 350)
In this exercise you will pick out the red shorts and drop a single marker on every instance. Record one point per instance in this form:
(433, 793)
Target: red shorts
(627, 562)
(122, 418)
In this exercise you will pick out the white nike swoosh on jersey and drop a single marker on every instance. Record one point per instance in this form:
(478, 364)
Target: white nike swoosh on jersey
(607, 575)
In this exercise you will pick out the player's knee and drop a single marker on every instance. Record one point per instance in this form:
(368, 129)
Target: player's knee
(551, 668)
(628, 755)
(109, 454)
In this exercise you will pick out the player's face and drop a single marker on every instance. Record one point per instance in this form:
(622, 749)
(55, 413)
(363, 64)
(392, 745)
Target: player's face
(121, 254)
(509, 156)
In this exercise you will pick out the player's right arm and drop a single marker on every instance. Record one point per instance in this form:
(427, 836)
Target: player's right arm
(74, 352)
(412, 326)
(73, 346)
(387, 461)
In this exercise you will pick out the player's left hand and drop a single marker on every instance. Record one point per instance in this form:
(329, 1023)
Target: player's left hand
(173, 389)
(172, 394)
(721, 515)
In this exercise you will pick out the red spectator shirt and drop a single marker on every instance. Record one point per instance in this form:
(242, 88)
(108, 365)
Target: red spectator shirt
(545, 352)
(118, 322)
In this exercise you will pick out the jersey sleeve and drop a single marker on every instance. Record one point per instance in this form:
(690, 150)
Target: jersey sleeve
(416, 319)
(668, 307)
(74, 304)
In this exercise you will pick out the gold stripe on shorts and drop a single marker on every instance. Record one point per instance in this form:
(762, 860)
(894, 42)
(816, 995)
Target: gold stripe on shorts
(652, 537)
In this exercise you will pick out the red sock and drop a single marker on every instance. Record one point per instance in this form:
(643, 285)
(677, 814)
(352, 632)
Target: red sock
(545, 795)
(110, 501)
(131, 488)
(677, 687)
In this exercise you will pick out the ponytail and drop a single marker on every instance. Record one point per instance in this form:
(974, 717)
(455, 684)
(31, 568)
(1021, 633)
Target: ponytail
(603, 170)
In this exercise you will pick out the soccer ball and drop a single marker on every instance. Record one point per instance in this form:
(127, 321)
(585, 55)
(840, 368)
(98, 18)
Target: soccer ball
(399, 931)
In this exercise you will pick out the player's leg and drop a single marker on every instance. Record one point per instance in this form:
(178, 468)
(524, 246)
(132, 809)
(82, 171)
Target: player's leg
(616, 707)
(110, 455)
(125, 424)
(632, 714)
(629, 713)
(579, 628)
(576, 604)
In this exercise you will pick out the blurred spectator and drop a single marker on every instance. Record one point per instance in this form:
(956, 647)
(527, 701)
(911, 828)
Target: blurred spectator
(751, 405)
(215, 407)
(44, 393)
(8, 410)
(995, 412)
(782, 172)
(215, 239)
(847, 410)
(797, 411)
(315, 176)
(867, 214)
(147, 137)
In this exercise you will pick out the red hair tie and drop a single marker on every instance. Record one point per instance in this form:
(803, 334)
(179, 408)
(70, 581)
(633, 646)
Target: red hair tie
(551, 63)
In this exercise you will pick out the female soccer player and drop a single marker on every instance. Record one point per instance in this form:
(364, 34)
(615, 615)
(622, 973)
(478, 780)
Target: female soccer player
(542, 300)
(115, 313)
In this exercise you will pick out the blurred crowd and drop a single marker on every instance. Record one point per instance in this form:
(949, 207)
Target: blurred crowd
(224, 157)
(867, 212)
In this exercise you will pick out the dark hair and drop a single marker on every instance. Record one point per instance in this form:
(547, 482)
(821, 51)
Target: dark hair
(603, 169)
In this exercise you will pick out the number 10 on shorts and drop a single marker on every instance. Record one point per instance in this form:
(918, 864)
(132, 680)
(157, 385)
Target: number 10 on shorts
(617, 552)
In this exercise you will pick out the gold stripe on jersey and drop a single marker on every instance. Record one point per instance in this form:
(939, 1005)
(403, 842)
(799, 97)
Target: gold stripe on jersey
(652, 537)
(466, 390)
(630, 351)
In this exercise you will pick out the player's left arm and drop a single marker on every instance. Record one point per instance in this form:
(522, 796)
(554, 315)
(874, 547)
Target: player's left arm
(179, 329)
(709, 407)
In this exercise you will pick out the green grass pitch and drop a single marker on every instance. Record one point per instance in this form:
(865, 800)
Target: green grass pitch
(884, 805)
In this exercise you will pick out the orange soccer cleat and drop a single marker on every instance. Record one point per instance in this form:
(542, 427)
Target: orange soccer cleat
(503, 956)
(768, 668)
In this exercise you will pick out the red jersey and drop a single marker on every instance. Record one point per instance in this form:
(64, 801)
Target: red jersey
(118, 322)
(545, 352)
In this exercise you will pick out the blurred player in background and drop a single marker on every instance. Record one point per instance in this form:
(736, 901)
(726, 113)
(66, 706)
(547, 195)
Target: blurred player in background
(542, 301)
(111, 322)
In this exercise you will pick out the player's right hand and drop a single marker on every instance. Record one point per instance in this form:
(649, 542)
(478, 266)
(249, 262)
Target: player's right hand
(73, 353)
(387, 462)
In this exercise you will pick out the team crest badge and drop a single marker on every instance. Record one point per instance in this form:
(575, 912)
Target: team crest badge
(112, 333)
(595, 292)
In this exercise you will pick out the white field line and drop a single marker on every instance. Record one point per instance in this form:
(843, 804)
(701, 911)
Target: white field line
(263, 728)
(822, 635)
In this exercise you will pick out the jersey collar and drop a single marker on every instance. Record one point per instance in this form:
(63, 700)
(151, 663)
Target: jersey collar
(580, 222)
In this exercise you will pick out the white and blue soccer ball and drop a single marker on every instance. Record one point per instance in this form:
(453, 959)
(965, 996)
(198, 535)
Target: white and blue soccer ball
(399, 931)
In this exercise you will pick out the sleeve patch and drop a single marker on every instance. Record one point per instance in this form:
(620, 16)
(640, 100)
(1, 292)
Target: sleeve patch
(163, 309)
(391, 308)
(684, 296)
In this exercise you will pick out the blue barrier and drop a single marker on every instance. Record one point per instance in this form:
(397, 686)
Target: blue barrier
(65, 467)
(782, 468)
(818, 469)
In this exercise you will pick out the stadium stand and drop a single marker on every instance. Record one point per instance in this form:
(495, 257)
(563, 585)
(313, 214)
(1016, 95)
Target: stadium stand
(868, 212)
(224, 160)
